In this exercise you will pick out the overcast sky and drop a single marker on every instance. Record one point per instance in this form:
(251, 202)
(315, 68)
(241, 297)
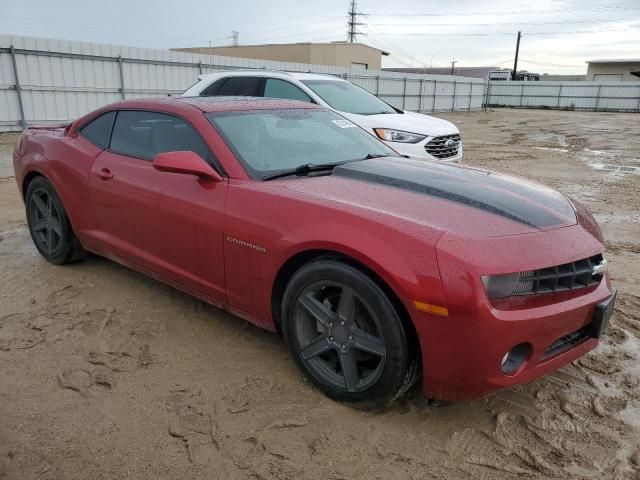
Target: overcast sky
(558, 35)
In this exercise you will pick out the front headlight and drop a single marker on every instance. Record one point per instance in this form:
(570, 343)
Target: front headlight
(398, 136)
(500, 286)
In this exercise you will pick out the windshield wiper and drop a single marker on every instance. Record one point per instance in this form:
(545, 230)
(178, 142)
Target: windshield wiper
(304, 170)
(369, 156)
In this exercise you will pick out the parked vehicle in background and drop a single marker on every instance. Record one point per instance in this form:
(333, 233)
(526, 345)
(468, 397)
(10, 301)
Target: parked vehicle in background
(375, 268)
(500, 75)
(413, 134)
(503, 75)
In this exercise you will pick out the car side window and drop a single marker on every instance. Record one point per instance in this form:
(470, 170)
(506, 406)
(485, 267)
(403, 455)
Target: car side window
(144, 134)
(98, 130)
(213, 89)
(275, 88)
(241, 86)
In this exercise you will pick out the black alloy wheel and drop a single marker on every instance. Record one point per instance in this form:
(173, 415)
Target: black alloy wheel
(49, 224)
(339, 337)
(346, 335)
(44, 220)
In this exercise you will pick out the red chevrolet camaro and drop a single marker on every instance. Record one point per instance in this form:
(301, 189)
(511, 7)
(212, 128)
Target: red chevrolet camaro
(376, 269)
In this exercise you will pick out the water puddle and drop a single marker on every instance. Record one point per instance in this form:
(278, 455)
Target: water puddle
(615, 168)
(556, 138)
(599, 160)
(617, 217)
(552, 149)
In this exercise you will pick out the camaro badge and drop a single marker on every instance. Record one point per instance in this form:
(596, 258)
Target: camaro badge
(242, 243)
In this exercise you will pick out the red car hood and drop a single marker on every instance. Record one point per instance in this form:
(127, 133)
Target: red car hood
(458, 199)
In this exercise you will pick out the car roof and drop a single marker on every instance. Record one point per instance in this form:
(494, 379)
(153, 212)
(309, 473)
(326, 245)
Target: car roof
(210, 104)
(270, 73)
(233, 104)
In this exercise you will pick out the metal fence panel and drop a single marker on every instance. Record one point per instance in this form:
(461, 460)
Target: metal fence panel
(62, 80)
(575, 95)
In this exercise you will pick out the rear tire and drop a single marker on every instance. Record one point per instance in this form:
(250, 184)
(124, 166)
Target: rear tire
(346, 336)
(49, 224)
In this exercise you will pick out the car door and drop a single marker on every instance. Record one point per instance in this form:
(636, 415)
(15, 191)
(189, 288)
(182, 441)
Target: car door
(167, 224)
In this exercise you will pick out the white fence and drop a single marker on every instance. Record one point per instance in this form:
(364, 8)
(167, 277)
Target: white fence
(43, 80)
(605, 96)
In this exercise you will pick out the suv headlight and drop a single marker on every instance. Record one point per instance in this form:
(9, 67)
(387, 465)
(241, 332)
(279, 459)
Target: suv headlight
(398, 136)
(500, 286)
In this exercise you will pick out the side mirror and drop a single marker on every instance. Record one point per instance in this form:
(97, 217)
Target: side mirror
(189, 163)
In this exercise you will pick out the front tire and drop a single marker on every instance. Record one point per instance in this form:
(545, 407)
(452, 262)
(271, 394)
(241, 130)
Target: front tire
(49, 224)
(345, 334)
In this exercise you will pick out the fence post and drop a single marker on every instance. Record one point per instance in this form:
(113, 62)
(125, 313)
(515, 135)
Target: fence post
(521, 93)
(470, 94)
(487, 94)
(435, 87)
(199, 68)
(598, 97)
(559, 95)
(377, 85)
(638, 109)
(23, 120)
(121, 77)
(404, 95)
(453, 100)
(420, 97)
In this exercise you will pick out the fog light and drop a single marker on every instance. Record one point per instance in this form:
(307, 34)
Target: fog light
(515, 358)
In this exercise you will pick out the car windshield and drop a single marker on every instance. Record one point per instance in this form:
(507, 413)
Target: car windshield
(347, 97)
(269, 142)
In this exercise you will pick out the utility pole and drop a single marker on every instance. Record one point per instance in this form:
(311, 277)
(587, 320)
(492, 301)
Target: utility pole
(515, 63)
(234, 38)
(453, 64)
(352, 22)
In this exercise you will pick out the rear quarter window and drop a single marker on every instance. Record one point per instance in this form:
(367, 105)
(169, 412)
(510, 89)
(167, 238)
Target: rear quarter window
(98, 130)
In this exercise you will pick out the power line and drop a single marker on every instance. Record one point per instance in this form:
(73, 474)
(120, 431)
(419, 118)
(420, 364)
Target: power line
(586, 22)
(486, 34)
(298, 34)
(394, 46)
(513, 12)
(551, 64)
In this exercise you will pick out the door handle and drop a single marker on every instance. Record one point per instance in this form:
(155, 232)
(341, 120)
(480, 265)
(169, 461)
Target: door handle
(105, 174)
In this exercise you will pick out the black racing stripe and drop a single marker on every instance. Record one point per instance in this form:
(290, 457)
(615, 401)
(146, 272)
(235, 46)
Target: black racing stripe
(510, 198)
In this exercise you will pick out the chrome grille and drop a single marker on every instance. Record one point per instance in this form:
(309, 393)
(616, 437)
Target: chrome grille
(569, 276)
(439, 148)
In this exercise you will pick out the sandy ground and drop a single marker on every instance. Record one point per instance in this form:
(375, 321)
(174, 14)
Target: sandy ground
(107, 374)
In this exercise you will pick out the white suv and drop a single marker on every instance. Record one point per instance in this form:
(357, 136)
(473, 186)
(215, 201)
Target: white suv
(408, 133)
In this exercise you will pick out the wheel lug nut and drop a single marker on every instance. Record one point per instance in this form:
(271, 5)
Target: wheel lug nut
(331, 339)
(331, 324)
(350, 337)
(342, 322)
(342, 346)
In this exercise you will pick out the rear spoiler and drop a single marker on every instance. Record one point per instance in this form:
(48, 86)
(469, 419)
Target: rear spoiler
(53, 126)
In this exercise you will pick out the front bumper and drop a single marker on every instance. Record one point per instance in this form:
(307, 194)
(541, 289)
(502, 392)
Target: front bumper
(462, 353)
(417, 150)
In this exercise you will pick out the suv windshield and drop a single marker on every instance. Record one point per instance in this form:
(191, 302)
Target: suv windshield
(347, 97)
(269, 142)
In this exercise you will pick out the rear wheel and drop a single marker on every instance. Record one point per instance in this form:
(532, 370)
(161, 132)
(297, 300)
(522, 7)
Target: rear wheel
(345, 334)
(49, 225)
